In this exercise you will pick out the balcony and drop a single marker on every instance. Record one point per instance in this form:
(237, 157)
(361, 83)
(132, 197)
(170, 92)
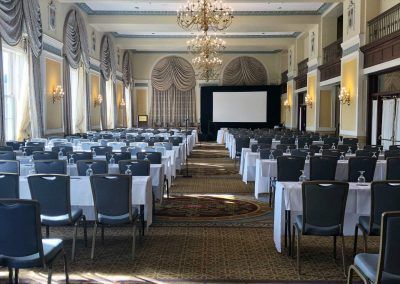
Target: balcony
(383, 38)
(331, 56)
(302, 69)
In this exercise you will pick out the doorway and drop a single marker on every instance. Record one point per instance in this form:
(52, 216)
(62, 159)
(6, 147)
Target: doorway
(302, 113)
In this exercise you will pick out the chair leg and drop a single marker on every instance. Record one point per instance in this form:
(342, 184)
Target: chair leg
(334, 247)
(365, 238)
(133, 240)
(350, 275)
(10, 275)
(47, 232)
(16, 276)
(74, 240)
(293, 239)
(355, 241)
(343, 256)
(84, 229)
(298, 253)
(65, 267)
(102, 234)
(94, 239)
(49, 274)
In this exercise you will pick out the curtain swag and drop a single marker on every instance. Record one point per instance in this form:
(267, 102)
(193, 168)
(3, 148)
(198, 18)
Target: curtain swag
(108, 66)
(244, 71)
(126, 70)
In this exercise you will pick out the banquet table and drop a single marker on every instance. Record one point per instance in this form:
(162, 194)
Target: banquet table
(288, 198)
(221, 135)
(82, 198)
(267, 169)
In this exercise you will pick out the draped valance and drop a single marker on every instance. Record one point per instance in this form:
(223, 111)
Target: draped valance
(76, 45)
(126, 69)
(173, 71)
(108, 66)
(244, 71)
(13, 15)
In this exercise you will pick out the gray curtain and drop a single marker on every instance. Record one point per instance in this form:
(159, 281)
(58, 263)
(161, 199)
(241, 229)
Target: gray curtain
(75, 50)
(126, 70)
(36, 107)
(14, 16)
(108, 69)
(173, 80)
(244, 71)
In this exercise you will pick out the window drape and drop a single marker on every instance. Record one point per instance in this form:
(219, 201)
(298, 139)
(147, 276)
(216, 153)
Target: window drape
(15, 15)
(78, 102)
(244, 71)
(75, 51)
(173, 101)
(388, 109)
(127, 79)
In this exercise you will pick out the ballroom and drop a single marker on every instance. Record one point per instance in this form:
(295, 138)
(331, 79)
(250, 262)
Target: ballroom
(200, 141)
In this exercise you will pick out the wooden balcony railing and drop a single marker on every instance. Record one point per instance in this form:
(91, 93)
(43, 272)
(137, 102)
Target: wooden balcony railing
(333, 52)
(302, 67)
(384, 24)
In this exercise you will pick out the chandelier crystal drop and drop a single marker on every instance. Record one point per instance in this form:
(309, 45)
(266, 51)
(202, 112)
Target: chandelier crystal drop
(205, 43)
(204, 15)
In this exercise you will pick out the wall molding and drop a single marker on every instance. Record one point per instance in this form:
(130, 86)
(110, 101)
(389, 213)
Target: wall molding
(304, 89)
(54, 131)
(332, 81)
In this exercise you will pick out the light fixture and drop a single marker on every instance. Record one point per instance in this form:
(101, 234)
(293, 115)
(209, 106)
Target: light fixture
(98, 100)
(286, 104)
(205, 43)
(58, 93)
(308, 100)
(204, 15)
(122, 104)
(344, 96)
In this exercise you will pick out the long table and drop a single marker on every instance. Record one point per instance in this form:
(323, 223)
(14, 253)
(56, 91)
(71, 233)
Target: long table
(288, 198)
(81, 195)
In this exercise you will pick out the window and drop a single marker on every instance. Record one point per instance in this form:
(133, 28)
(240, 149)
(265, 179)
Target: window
(16, 97)
(110, 104)
(78, 99)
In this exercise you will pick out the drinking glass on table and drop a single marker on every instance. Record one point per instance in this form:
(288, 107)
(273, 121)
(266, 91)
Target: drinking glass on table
(60, 154)
(71, 160)
(374, 155)
(308, 157)
(288, 150)
(128, 170)
(93, 153)
(361, 178)
(32, 170)
(112, 159)
(321, 149)
(271, 155)
(349, 150)
(333, 146)
(342, 155)
(302, 176)
(89, 171)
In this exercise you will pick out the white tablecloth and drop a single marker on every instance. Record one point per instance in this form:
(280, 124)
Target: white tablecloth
(288, 196)
(81, 195)
(221, 135)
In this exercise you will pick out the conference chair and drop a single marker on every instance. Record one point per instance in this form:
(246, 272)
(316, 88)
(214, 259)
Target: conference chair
(53, 194)
(259, 146)
(101, 150)
(22, 245)
(154, 158)
(324, 205)
(332, 152)
(345, 148)
(16, 145)
(394, 147)
(6, 155)
(137, 167)
(264, 140)
(98, 167)
(28, 150)
(351, 141)
(78, 156)
(117, 188)
(35, 144)
(51, 167)
(373, 148)
(302, 141)
(175, 140)
(382, 268)
(118, 156)
(391, 153)
(317, 147)
(366, 153)
(240, 144)
(6, 149)
(393, 168)
(64, 149)
(265, 153)
(357, 164)
(323, 168)
(8, 166)
(302, 153)
(385, 196)
(331, 141)
(9, 186)
(284, 147)
(44, 155)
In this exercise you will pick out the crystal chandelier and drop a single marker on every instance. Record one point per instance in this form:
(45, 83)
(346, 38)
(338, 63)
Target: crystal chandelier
(204, 15)
(205, 43)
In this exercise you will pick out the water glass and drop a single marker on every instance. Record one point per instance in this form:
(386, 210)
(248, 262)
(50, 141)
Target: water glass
(302, 176)
(71, 160)
(60, 153)
(288, 150)
(374, 155)
(128, 170)
(342, 155)
(349, 151)
(112, 159)
(89, 171)
(361, 178)
(93, 153)
(333, 146)
(321, 149)
(271, 155)
(308, 157)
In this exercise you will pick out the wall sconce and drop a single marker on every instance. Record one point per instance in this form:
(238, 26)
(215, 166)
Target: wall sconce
(122, 104)
(344, 96)
(58, 94)
(98, 100)
(286, 104)
(308, 101)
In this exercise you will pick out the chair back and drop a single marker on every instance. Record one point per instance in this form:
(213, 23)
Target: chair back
(289, 168)
(138, 167)
(112, 195)
(16, 145)
(21, 232)
(9, 186)
(358, 164)
(288, 140)
(30, 149)
(301, 152)
(350, 141)
(101, 150)
(365, 153)
(51, 167)
(118, 156)
(265, 153)
(394, 147)
(35, 144)
(331, 152)
(323, 168)
(98, 167)
(345, 148)
(385, 196)
(43, 155)
(316, 147)
(392, 153)
(389, 250)
(8, 155)
(324, 205)
(259, 146)
(53, 194)
(166, 145)
(264, 140)
(393, 168)
(64, 149)
(78, 156)
(372, 148)
(283, 147)
(175, 140)
(241, 143)
(8, 166)
(6, 148)
(331, 140)
(153, 157)
(302, 141)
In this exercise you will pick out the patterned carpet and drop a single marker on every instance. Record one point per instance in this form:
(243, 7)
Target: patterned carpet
(187, 250)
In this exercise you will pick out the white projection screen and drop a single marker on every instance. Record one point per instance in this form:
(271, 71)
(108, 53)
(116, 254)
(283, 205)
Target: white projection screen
(240, 106)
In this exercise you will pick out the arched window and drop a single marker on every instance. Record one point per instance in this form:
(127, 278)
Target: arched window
(244, 71)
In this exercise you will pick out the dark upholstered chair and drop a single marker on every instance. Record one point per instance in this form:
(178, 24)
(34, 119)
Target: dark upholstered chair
(345, 148)
(101, 150)
(6, 148)
(288, 140)
(383, 268)
(240, 144)
(323, 214)
(372, 148)
(153, 157)
(138, 168)
(284, 147)
(98, 167)
(118, 156)
(265, 153)
(289, 168)
(394, 147)
(259, 146)
(53, 194)
(302, 141)
(331, 152)
(331, 140)
(7, 155)
(51, 167)
(78, 156)
(117, 188)
(175, 140)
(35, 144)
(323, 168)
(9, 186)
(16, 145)
(11, 167)
(358, 164)
(385, 196)
(366, 153)
(316, 148)
(30, 149)
(393, 168)
(392, 153)
(43, 155)
(264, 140)
(301, 153)
(64, 149)
(350, 141)
(21, 242)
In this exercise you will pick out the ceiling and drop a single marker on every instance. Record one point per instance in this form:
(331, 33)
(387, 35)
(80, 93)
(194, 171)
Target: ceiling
(150, 26)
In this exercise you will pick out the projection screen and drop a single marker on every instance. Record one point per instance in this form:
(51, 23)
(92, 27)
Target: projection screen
(240, 106)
